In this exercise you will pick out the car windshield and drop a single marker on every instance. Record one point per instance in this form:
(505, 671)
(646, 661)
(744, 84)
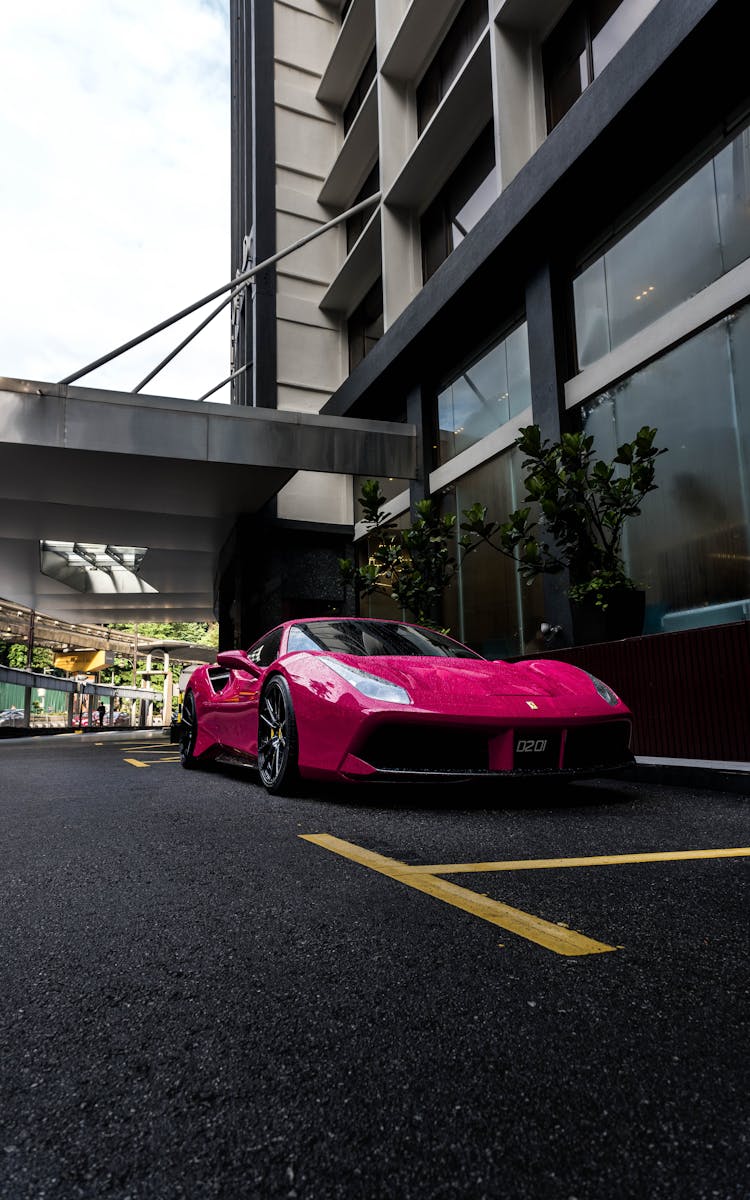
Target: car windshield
(372, 638)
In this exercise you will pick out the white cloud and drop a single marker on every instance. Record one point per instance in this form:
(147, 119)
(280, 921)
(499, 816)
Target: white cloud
(114, 187)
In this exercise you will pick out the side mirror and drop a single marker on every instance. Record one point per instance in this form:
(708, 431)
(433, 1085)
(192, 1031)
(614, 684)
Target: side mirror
(237, 660)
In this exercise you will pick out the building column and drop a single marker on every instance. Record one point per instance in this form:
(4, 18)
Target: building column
(397, 131)
(418, 415)
(262, 294)
(548, 358)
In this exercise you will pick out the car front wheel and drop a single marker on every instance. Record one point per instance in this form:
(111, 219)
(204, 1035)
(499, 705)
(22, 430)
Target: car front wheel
(188, 733)
(277, 738)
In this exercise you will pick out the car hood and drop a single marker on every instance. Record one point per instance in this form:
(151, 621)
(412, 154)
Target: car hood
(428, 677)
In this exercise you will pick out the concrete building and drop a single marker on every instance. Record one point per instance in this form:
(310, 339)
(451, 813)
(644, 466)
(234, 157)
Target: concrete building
(562, 237)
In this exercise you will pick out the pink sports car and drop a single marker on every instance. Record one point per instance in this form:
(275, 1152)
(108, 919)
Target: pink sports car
(354, 699)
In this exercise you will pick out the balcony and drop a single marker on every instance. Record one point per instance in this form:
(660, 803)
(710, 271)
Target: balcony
(353, 46)
(419, 35)
(463, 113)
(357, 155)
(359, 272)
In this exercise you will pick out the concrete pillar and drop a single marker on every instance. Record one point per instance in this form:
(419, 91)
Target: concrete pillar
(517, 98)
(548, 357)
(397, 125)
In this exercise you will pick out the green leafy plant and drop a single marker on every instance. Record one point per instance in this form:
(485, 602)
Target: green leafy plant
(413, 566)
(576, 515)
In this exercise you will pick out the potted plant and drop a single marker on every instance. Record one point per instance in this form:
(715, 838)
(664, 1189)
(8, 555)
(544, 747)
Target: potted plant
(574, 521)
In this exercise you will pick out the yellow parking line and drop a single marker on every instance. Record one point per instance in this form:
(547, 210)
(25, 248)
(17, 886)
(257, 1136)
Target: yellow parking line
(603, 860)
(145, 749)
(137, 762)
(534, 929)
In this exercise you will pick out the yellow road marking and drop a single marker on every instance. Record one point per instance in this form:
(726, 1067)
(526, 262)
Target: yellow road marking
(603, 860)
(534, 929)
(137, 762)
(145, 749)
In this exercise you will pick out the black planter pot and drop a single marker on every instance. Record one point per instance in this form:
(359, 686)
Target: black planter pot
(622, 618)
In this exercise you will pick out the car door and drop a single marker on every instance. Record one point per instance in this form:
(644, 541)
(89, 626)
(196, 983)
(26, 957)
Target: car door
(236, 712)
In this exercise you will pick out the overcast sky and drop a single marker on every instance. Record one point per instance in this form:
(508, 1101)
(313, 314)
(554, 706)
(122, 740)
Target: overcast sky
(114, 187)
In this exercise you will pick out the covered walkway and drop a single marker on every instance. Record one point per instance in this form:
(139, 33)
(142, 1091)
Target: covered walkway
(168, 475)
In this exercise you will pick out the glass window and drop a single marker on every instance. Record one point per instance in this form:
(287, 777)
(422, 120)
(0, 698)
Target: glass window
(565, 56)
(581, 45)
(490, 607)
(732, 168)
(452, 54)
(689, 547)
(365, 325)
(461, 202)
(689, 241)
(299, 640)
(12, 701)
(488, 393)
(266, 651)
(380, 638)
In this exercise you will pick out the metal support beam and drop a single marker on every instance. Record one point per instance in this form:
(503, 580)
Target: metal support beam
(233, 284)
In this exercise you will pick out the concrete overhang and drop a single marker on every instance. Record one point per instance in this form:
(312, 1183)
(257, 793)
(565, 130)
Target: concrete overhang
(89, 465)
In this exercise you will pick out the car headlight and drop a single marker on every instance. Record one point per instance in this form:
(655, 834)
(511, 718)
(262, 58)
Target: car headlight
(604, 691)
(369, 685)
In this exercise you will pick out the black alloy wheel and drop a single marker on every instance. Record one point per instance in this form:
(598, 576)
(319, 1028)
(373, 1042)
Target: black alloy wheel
(188, 733)
(277, 738)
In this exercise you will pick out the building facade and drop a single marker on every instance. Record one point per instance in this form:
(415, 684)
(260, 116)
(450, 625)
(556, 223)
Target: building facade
(562, 236)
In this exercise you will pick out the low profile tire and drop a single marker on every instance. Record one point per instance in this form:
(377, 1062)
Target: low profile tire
(277, 738)
(188, 733)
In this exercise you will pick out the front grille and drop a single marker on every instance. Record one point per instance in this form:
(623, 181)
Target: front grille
(597, 745)
(426, 748)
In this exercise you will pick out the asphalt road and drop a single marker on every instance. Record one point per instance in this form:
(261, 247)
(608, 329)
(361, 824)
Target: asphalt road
(199, 1002)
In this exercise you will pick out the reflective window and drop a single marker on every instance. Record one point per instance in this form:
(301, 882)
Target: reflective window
(689, 547)
(489, 606)
(460, 203)
(485, 395)
(694, 236)
(266, 651)
(381, 638)
(581, 45)
(732, 170)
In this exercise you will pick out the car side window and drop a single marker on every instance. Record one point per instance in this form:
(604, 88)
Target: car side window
(265, 651)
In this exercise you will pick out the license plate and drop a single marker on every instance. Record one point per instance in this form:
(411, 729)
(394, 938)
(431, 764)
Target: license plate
(531, 745)
(536, 749)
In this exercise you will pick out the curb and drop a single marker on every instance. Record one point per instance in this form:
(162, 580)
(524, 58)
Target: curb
(721, 778)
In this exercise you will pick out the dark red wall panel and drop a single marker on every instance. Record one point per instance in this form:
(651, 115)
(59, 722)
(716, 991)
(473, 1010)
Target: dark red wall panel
(689, 691)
